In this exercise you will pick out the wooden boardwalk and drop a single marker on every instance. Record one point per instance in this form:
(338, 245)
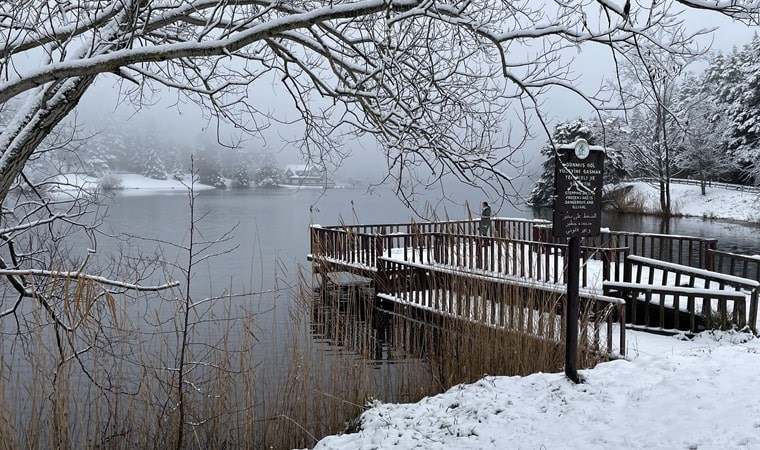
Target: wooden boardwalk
(652, 282)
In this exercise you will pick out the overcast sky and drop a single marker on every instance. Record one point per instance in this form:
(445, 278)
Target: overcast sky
(101, 105)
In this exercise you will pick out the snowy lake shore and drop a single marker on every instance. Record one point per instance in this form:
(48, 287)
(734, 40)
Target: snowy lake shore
(687, 200)
(670, 392)
(123, 182)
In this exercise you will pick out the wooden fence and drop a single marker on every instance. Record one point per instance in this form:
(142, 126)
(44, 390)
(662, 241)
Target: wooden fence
(675, 289)
(686, 250)
(526, 307)
(717, 184)
(733, 264)
(540, 261)
(454, 246)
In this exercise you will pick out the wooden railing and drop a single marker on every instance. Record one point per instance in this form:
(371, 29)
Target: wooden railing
(454, 246)
(514, 228)
(346, 246)
(733, 264)
(681, 286)
(527, 259)
(709, 183)
(686, 250)
(521, 306)
(498, 256)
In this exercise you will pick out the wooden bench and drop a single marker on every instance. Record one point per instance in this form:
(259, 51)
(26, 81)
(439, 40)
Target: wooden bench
(655, 280)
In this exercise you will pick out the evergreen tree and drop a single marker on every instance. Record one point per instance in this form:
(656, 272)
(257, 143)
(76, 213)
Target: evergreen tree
(734, 83)
(703, 133)
(611, 133)
(174, 159)
(267, 176)
(241, 179)
(209, 168)
(153, 167)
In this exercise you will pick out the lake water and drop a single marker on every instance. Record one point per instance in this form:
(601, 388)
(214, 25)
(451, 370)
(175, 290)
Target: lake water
(270, 239)
(261, 239)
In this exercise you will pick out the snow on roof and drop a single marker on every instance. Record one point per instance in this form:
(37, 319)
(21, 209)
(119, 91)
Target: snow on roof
(303, 167)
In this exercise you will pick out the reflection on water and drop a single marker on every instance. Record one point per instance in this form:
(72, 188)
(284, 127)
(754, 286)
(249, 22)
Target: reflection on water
(736, 237)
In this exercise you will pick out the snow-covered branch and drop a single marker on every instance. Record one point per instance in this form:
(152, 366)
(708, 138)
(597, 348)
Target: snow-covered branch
(98, 279)
(433, 81)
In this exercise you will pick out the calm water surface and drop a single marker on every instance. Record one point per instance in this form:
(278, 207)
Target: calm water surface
(269, 232)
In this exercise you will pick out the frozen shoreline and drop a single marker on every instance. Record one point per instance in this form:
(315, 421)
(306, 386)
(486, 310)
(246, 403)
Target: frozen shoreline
(127, 182)
(687, 200)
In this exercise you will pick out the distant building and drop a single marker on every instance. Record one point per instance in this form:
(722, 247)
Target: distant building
(306, 175)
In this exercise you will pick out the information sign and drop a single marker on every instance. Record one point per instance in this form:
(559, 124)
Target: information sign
(578, 179)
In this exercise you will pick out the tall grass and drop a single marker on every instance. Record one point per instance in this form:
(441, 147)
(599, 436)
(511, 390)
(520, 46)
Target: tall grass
(112, 380)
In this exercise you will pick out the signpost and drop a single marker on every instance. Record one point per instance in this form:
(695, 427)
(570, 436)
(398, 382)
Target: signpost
(578, 179)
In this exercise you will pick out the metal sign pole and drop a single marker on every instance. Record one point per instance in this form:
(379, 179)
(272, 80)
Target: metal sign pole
(571, 326)
(578, 180)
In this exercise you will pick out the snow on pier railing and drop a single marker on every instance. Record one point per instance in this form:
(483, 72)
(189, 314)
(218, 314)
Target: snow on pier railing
(665, 284)
(511, 302)
(717, 276)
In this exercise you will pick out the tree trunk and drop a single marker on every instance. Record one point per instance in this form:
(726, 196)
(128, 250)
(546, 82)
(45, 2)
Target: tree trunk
(33, 122)
(661, 150)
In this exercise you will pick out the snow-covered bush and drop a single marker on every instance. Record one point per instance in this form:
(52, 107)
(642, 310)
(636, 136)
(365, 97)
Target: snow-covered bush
(109, 182)
(267, 176)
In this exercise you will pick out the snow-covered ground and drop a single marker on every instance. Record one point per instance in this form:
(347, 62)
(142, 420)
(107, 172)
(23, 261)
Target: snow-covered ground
(124, 182)
(670, 392)
(688, 200)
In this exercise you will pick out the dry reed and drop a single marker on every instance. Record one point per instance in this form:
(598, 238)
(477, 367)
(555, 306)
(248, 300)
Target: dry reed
(111, 381)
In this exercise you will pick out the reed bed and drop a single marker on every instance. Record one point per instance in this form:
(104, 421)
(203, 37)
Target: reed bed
(108, 378)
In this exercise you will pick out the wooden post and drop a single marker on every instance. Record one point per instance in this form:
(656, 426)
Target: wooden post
(709, 256)
(571, 327)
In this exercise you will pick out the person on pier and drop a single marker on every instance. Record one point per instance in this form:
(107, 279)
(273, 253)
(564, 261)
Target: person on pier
(485, 219)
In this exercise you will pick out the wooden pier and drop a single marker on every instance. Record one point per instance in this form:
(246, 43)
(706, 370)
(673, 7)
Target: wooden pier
(515, 278)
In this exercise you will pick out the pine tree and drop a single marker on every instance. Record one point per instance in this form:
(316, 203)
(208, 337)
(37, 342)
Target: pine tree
(209, 168)
(153, 167)
(241, 179)
(613, 134)
(703, 132)
(267, 176)
(733, 81)
(564, 133)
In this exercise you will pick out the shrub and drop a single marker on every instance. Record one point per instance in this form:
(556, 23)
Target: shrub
(109, 182)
